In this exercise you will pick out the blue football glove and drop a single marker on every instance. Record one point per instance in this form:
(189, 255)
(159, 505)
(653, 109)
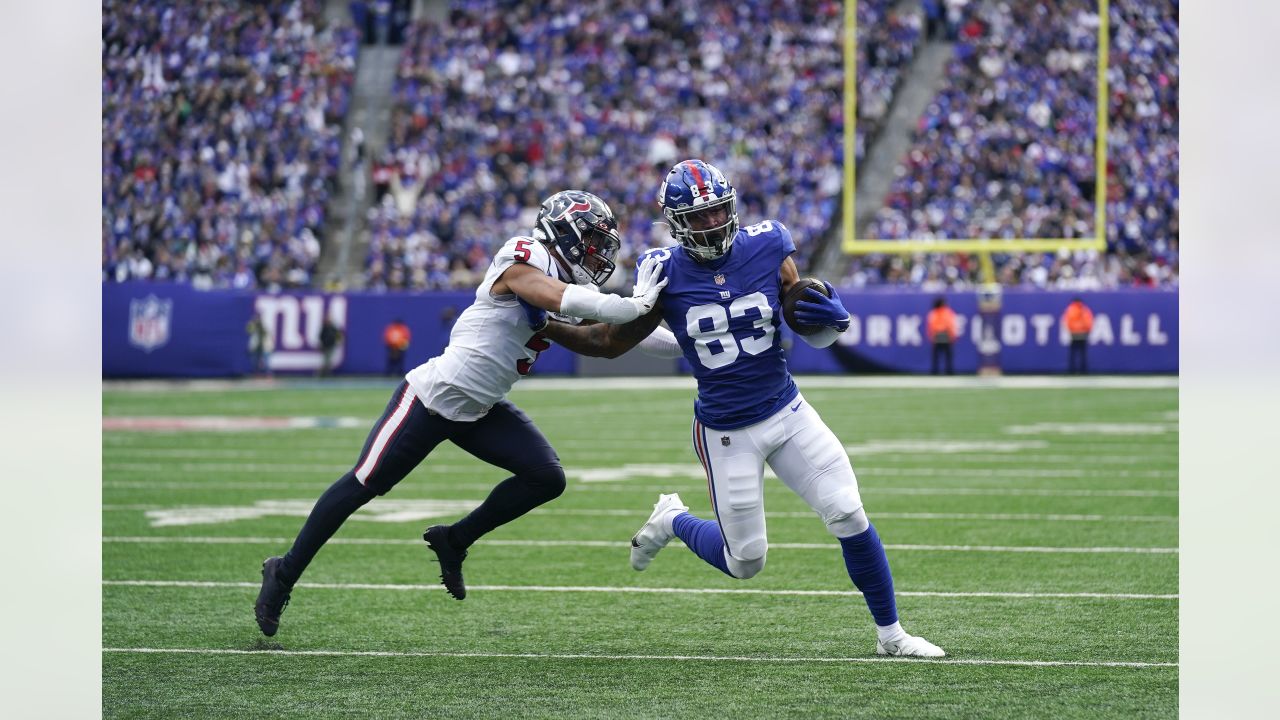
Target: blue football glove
(534, 315)
(818, 309)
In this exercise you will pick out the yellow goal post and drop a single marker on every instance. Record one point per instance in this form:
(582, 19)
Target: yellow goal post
(851, 245)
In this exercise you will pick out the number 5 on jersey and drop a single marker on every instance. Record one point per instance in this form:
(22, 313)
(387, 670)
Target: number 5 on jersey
(522, 252)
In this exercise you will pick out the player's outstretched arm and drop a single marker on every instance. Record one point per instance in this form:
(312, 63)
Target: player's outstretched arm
(601, 339)
(540, 290)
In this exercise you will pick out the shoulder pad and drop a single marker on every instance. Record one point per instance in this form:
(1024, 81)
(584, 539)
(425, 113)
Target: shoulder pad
(524, 250)
(772, 232)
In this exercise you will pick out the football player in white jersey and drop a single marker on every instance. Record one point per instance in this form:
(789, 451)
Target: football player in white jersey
(724, 304)
(460, 395)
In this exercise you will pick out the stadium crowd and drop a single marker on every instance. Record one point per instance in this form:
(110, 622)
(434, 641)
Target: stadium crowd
(887, 39)
(508, 100)
(1006, 149)
(221, 124)
(220, 139)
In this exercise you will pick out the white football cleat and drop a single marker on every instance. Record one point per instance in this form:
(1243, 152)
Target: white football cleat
(909, 646)
(656, 531)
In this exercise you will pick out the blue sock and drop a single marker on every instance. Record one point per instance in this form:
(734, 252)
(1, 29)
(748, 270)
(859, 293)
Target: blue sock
(703, 538)
(869, 569)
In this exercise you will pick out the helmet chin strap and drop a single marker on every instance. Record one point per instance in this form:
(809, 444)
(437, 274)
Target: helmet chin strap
(705, 258)
(566, 271)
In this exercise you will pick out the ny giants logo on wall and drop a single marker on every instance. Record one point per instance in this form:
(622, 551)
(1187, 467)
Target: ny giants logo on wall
(294, 322)
(149, 321)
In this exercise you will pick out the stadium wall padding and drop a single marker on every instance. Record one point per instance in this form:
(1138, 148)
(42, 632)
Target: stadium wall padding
(168, 330)
(1135, 331)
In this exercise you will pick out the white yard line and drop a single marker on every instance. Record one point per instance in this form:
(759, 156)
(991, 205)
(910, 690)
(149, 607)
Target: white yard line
(234, 468)
(129, 454)
(289, 468)
(226, 540)
(682, 484)
(677, 658)
(1011, 472)
(645, 590)
(639, 513)
(1116, 382)
(1019, 492)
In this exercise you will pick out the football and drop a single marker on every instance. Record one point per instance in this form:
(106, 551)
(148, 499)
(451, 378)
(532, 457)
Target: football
(796, 294)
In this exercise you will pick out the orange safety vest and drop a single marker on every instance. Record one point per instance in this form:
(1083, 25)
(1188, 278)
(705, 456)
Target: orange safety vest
(942, 321)
(1078, 318)
(396, 336)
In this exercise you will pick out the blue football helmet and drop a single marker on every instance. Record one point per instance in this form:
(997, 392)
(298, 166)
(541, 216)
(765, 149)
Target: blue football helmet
(582, 230)
(701, 208)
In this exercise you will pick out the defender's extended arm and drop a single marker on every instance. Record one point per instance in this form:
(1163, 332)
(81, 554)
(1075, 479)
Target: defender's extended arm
(537, 289)
(601, 339)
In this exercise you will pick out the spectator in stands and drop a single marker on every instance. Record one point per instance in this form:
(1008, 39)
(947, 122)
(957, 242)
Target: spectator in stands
(220, 143)
(221, 132)
(933, 19)
(1078, 320)
(382, 21)
(396, 338)
(941, 324)
(357, 144)
(1006, 147)
(760, 83)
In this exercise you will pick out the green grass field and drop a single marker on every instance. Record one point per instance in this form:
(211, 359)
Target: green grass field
(1032, 533)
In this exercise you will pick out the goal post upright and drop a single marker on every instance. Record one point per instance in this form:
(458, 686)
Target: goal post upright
(851, 245)
(850, 123)
(1101, 127)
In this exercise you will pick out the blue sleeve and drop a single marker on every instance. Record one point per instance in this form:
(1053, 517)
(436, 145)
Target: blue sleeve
(663, 254)
(788, 245)
(773, 237)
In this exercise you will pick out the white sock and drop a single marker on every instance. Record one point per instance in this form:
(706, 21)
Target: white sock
(890, 632)
(669, 520)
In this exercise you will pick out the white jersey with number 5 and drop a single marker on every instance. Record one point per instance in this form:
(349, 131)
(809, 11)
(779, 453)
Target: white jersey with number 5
(491, 345)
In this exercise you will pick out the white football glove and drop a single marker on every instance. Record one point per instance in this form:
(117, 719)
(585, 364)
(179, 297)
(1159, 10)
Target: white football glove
(581, 302)
(645, 295)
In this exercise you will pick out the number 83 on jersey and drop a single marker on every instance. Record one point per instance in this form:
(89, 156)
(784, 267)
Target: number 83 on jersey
(708, 327)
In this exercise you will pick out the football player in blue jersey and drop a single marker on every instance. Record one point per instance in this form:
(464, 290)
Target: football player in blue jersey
(722, 303)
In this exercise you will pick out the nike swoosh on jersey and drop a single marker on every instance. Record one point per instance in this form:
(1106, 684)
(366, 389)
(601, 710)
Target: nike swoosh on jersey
(796, 406)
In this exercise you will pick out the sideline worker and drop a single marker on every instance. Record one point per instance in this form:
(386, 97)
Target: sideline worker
(942, 333)
(1078, 319)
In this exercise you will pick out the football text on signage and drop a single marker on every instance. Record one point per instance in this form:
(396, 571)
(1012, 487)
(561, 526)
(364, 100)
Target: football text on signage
(1015, 330)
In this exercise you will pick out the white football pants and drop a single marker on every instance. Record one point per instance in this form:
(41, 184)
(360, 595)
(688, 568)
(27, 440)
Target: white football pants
(804, 454)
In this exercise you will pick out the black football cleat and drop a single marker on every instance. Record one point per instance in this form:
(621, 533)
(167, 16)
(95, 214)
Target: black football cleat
(437, 537)
(272, 598)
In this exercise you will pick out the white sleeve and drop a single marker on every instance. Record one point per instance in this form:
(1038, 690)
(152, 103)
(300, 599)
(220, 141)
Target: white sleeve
(823, 338)
(581, 302)
(661, 343)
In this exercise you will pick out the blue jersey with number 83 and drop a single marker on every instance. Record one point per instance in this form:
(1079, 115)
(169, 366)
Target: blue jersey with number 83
(726, 314)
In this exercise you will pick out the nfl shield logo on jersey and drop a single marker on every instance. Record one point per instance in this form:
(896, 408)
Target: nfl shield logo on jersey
(724, 440)
(149, 322)
(719, 278)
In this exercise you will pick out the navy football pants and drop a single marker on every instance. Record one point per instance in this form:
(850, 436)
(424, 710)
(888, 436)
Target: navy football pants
(403, 437)
(407, 432)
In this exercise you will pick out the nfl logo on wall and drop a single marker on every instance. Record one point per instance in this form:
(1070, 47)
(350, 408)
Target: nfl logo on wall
(149, 322)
